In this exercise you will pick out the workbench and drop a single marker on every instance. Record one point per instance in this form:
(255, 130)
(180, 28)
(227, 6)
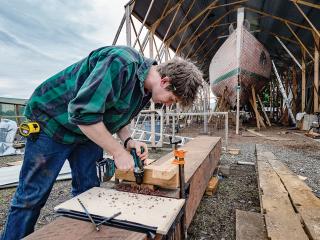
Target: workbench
(203, 154)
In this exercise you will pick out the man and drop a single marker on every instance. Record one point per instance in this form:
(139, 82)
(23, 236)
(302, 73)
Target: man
(78, 110)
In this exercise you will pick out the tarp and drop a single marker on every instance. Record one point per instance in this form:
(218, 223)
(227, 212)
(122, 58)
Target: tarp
(9, 176)
(8, 130)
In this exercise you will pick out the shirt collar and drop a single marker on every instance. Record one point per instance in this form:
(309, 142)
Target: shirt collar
(143, 71)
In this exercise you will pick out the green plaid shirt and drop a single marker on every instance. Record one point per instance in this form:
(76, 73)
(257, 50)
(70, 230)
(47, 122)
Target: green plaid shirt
(107, 86)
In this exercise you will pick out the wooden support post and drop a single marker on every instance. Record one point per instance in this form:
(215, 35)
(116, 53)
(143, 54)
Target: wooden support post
(253, 102)
(294, 90)
(271, 99)
(303, 81)
(264, 112)
(316, 74)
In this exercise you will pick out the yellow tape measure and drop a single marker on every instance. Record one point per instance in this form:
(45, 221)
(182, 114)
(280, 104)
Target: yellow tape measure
(28, 128)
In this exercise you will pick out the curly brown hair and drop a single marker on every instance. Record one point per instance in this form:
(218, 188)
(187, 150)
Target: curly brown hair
(185, 79)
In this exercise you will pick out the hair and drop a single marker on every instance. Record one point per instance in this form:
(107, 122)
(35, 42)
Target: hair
(185, 79)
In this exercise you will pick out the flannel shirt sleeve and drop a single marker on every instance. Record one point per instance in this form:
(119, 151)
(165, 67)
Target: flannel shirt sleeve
(102, 86)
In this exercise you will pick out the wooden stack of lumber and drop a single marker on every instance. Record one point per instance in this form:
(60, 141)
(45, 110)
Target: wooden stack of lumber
(290, 209)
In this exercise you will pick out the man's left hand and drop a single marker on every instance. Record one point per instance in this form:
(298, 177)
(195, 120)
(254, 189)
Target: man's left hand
(137, 145)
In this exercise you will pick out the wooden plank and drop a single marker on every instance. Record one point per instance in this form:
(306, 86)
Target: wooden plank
(212, 186)
(68, 228)
(155, 173)
(16, 163)
(198, 173)
(250, 226)
(264, 112)
(149, 210)
(258, 116)
(281, 220)
(159, 180)
(304, 201)
(255, 112)
(166, 170)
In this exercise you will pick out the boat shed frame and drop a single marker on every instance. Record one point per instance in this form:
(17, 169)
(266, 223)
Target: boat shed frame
(195, 29)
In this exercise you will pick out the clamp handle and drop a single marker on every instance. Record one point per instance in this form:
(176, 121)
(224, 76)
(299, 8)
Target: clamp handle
(174, 143)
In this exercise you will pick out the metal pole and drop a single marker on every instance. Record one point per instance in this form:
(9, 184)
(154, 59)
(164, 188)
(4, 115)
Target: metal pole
(173, 126)
(152, 106)
(160, 143)
(240, 19)
(119, 30)
(288, 51)
(142, 25)
(128, 25)
(226, 129)
(205, 117)
(165, 36)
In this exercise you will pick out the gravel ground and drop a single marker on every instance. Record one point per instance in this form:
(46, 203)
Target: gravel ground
(215, 217)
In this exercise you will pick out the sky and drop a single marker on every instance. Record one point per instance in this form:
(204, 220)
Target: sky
(39, 38)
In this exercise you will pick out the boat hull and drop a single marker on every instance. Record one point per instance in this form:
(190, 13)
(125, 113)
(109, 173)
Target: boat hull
(251, 69)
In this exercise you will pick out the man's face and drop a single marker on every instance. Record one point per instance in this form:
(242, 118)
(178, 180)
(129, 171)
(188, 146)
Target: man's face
(161, 95)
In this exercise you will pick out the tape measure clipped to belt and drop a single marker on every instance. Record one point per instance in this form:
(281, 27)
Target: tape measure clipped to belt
(28, 129)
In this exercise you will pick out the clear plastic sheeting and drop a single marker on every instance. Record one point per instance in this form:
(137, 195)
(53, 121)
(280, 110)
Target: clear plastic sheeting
(8, 130)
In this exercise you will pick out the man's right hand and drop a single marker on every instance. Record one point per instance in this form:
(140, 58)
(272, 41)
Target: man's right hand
(99, 134)
(123, 160)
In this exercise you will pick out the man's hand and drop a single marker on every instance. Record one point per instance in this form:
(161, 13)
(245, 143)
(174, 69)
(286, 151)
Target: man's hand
(124, 160)
(137, 145)
(99, 134)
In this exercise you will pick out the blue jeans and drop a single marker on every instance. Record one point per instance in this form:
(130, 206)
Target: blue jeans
(42, 163)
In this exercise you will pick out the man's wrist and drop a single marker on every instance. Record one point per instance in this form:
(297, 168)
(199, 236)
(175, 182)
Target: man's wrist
(125, 143)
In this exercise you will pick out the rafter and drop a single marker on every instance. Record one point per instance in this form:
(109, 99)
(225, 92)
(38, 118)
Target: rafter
(167, 13)
(309, 4)
(298, 39)
(185, 16)
(209, 7)
(192, 20)
(278, 18)
(212, 25)
(308, 20)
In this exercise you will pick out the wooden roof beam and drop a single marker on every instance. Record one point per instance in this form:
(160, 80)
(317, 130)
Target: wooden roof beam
(210, 7)
(166, 13)
(309, 4)
(169, 28)
(202, 45)
(298, 39)
(278, 18)
(307, 19)
(192, 20)
(185, 16)
(206, 29)
(199, 25)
